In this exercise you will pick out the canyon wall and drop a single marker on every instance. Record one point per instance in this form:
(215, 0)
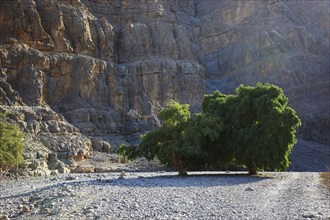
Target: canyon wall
(78, 75)
(285, 42)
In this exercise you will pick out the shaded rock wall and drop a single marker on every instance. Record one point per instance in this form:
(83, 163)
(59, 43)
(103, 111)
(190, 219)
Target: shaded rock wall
(104, 68)
(284, 42)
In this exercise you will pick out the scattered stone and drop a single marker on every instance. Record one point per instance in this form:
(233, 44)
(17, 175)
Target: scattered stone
(4, 217)
(25, 200)
(70, 178)
(309, 215)
(31, 206)
(122, 174)
(83, 169)
(136, 205)
(249, 189)
(55, 164)
(46, 210)
(102, 169)
(54, 172)
(25, 208)
(132, 199)
(106, 147)
(66, 188)
(89, 210)
(71, 162)
(33, 198)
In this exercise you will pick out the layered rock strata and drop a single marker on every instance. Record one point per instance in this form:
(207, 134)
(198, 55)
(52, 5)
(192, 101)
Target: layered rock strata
(78, 75)
(99, 78)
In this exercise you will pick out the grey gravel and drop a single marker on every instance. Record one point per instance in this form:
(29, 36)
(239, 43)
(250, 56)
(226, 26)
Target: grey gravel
(164, 195)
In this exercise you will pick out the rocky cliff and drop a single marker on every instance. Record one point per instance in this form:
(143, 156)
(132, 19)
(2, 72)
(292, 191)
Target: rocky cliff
(79, 75)
(285, 42)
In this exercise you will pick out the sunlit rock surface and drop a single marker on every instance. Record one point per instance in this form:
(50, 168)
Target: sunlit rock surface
(77, 73)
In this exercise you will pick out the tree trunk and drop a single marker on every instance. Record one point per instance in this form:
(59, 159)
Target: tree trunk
(177, 166)
(252, 168)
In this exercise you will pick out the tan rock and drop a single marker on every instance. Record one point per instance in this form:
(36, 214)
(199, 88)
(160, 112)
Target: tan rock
(4, 217)
(83, 169)
(25, 208)
(71, 71)
(102, 169)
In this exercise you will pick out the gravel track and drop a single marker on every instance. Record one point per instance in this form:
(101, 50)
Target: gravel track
(163, 195)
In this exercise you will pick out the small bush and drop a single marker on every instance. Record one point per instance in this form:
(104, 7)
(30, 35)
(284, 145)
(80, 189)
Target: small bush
(11, 145)
(126, 152)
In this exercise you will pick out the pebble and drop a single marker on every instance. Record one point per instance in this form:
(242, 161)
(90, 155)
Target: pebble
(249, 189)
(25, 208)
(136, 205)
(4, 217)
(46, 210)
(89, 210)
(309, 215)
(122, 174)
(167, 198)
(70, 178)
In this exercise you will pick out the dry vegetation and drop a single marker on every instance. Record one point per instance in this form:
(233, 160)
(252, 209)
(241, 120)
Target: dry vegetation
(326, 179)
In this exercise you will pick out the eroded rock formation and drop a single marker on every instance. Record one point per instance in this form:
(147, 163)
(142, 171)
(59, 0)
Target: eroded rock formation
(284, 42)
(84, 74)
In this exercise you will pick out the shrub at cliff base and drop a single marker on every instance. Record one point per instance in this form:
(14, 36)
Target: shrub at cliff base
(253, 127)
(11, 145)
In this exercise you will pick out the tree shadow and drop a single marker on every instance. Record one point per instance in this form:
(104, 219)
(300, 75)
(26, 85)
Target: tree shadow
(161, 181)
(192, 180)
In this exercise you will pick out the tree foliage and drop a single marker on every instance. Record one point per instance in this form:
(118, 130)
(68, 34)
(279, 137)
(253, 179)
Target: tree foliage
(260, 127)
(254, 127)
(11, 145)
(173, 142)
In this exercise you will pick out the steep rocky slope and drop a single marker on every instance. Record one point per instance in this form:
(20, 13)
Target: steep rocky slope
(79, 75)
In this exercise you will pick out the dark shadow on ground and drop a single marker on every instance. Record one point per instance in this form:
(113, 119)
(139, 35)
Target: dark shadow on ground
(193, 180)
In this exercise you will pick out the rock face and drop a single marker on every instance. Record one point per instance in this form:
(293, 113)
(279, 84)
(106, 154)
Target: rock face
(276, 41)
(79, 75)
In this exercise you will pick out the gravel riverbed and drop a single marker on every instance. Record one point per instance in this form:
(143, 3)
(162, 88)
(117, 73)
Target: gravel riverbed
(164, 195)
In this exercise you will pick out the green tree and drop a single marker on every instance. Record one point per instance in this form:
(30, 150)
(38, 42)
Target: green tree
(259, 126)
(254, 127)
(171, 143)
(11, 145)
(177, 143)
(220, 149)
